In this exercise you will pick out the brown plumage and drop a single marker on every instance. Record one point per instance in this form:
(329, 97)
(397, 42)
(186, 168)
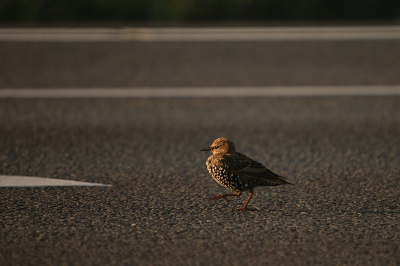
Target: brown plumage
(237, 172)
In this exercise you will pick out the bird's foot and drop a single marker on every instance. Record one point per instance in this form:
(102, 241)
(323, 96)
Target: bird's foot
(219, 197)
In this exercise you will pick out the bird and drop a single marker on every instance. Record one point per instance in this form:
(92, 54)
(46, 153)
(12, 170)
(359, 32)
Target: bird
(237, 172)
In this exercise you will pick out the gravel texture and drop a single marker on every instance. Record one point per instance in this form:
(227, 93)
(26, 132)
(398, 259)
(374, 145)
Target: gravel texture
(342, 154)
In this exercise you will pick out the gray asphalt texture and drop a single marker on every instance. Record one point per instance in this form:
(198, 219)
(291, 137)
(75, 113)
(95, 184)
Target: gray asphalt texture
(161, 64)
(342, 154)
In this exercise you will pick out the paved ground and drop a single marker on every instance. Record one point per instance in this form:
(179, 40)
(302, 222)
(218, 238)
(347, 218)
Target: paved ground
(342, 154)
(200, 64)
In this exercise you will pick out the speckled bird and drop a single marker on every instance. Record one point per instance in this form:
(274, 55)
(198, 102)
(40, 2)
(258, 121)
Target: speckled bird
(237, 172)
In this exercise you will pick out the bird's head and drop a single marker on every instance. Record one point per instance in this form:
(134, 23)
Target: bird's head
(221, 146)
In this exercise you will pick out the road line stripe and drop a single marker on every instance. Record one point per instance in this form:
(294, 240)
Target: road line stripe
(300, 91)
(29, 181)
(201, 34)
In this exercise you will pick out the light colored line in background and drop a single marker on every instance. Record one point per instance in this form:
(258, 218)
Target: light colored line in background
(29, 181)
(201, 34)
(203, 92)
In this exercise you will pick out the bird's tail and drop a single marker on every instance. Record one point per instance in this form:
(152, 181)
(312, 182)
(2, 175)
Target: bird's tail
(277, 179)
(272, 182)
(280, 181)
(287, 183)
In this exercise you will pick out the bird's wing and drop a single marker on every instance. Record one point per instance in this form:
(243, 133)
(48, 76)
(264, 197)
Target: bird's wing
(242, 164)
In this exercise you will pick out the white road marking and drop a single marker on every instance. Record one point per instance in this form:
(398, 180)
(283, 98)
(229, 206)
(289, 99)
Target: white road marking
(201, 34)
(293, 91)
(28, 181)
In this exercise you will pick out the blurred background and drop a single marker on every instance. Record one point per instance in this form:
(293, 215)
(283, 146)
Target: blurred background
(142, 63)
(147, 63)
(198, 11)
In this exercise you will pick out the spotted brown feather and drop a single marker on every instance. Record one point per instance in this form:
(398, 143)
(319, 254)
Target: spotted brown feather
(236, 171)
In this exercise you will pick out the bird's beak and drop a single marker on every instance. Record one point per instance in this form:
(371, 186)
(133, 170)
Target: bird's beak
(205, 149)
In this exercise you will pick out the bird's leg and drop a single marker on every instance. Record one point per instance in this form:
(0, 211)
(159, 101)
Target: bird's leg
(225, 195)
(245, 205)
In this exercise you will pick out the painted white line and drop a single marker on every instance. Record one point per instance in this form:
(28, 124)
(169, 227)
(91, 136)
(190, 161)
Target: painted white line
(201, 34)
(27, 181)
(203, 92)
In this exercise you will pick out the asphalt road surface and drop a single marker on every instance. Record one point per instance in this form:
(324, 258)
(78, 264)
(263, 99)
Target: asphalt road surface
(188, 64)
(342, 154)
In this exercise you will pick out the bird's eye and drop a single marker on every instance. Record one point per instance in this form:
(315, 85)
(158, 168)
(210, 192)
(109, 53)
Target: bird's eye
(216, 147)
